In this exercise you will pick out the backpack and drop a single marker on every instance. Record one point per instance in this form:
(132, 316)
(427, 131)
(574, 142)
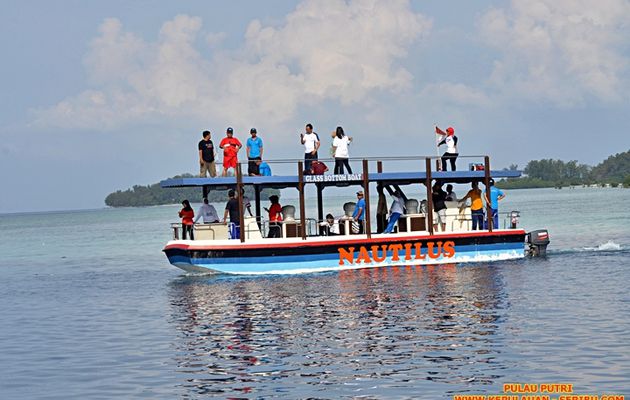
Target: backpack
(318, 168)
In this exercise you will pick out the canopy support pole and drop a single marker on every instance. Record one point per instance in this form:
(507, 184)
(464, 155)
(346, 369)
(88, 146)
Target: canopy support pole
(486, 178)
(427, 183)
(320, 203)
(302, 206)
(257, 195)
(241, 211)
(366, 192)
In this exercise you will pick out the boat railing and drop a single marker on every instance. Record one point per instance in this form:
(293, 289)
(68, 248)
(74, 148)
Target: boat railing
(287, 166)
(458, 220)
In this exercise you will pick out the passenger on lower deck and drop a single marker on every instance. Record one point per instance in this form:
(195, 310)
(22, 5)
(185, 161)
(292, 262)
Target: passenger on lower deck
(381, 210)
(207, 212)
(397, 209)
(476, 206)
(330, 227)
(231, 209)
(450, 194)
(359, 212)
(439, 196)
(247, 204)
(187, 214)
(493, 195)
(275, 217)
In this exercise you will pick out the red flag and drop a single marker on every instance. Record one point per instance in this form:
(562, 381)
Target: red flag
(439, 131)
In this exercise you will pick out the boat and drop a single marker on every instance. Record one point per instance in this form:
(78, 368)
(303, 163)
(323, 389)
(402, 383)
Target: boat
(304, 247)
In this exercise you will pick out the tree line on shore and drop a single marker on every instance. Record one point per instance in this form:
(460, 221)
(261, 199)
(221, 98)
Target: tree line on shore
(614, 170)
(154, 195)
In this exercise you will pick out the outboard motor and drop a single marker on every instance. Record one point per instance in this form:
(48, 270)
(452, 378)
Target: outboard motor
(537, 242)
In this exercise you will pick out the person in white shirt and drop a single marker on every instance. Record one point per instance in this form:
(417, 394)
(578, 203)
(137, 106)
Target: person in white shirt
(450, 194)
(340, 150)
(310, 140)
(450, 140)
(397, 209)
(207, 212)
(247, 205)
(330, 227)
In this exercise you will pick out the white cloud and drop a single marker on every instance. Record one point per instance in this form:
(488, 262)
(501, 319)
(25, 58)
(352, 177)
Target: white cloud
(324, 50)
(563, 51)
(455, 93)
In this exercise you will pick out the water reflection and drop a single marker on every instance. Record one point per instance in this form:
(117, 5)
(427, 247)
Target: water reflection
(372, 332)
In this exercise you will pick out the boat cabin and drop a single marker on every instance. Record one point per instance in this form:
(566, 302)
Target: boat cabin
(372, 177)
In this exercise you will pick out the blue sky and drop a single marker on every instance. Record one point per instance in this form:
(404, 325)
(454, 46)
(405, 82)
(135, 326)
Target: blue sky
(100, 95)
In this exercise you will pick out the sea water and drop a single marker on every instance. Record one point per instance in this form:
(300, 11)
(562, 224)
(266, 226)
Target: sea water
(91, 309)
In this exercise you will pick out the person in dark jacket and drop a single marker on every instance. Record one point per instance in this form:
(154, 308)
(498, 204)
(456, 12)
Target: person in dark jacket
(438, 196)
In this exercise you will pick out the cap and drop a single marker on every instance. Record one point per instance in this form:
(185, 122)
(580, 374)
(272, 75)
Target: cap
(253, 130)
(360, 192)
(230, 130)
(450, 130)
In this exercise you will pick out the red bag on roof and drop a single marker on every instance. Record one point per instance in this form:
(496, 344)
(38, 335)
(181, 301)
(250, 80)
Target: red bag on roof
(318, 168)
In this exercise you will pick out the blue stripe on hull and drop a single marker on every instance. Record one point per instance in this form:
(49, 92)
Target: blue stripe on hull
(330, 262)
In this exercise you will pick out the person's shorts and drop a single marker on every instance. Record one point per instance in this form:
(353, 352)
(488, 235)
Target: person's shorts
(229, 161)
(441, 216)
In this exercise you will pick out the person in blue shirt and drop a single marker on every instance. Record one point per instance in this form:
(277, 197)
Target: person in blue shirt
(263, 168)
(359, 211)
(254, 152)
(493, 198)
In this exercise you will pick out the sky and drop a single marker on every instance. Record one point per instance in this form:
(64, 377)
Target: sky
(102, 95)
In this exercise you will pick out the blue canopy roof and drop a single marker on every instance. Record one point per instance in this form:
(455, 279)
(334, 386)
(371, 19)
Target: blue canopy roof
(285, 181)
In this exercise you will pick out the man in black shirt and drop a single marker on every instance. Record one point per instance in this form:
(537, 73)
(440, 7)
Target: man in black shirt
(206, 156)
(231, 209)
(438, 196)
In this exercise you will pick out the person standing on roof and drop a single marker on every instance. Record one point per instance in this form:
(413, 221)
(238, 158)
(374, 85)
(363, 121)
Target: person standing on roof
(254, 152)
(340, 150)
(230, 146)
(206, 156)
(450, 140)
(310, 140)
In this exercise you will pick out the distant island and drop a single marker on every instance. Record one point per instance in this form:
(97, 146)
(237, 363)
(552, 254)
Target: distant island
(613, 171)
(154, 195)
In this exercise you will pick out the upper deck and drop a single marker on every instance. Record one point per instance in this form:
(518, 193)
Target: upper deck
(374, 175)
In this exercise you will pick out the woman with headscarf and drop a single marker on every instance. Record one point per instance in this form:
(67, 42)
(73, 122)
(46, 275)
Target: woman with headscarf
(187, 214)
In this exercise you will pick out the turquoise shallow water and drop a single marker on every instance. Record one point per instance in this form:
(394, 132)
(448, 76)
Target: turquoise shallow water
(91, 309)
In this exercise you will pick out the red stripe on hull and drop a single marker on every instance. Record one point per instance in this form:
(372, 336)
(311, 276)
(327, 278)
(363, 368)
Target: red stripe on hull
(379, 239)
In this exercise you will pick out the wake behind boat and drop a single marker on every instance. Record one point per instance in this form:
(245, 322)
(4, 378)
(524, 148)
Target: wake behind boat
(304, 245)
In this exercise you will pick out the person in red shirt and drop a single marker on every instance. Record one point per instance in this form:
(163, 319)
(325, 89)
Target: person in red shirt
(275, 217)
(187, 214)
(230, 146)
